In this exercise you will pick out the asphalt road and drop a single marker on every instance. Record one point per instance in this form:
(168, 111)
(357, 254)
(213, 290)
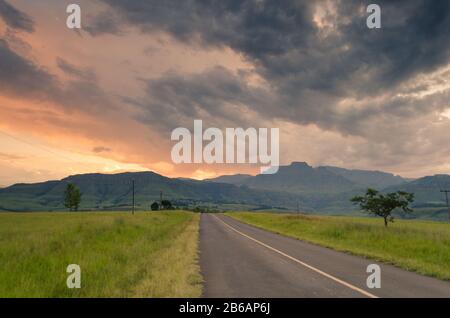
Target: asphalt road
(239, 260)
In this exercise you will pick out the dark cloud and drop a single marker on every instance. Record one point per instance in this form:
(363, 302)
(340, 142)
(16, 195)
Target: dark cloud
(101, 149)
(413, 39)
(281, 37)
(72, 70)
(254, 27)
(103, 23)
(14, 18)
(309, 68)
(217, 95)
(22, 78)
(338, 75)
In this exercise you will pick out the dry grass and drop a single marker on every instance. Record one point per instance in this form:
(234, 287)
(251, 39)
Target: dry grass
(150, 254)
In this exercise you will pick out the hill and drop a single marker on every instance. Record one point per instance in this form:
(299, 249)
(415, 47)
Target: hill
(325, 190)
(426, 189)
(238, 179)
(113, 191)
(366, 178)
(299, 177)
(429, 201)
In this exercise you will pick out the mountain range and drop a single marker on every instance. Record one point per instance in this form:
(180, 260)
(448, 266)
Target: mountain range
(297, 186)
(301, 178)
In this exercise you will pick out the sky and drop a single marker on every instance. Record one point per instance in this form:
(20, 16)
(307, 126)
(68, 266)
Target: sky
(105, 98)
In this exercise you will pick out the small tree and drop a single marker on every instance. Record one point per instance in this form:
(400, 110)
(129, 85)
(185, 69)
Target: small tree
(166, 205)
(383, 205)
(155, 206)
(72, 197)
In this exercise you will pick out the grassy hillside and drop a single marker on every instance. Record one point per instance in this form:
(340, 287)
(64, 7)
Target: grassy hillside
(414, 245)
(114, 192)
(311, 189)
(426, 190)
(120, 255)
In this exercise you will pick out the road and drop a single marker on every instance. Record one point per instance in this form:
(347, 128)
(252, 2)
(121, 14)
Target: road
(239, 260)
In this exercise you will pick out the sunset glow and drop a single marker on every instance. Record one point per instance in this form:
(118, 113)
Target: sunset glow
(105, 98)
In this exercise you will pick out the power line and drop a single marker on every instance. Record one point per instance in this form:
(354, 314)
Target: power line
(446, 200)
(442, 190)
(133, 196)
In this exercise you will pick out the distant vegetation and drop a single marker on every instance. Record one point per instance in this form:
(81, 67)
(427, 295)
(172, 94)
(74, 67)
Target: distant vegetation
(324, 190)
(414, 245)
(72, 197)
(120, 255)
(155, 206)
(164, 205)
(383, 205)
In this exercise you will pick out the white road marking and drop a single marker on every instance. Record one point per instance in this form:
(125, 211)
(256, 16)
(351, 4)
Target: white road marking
(340, 281)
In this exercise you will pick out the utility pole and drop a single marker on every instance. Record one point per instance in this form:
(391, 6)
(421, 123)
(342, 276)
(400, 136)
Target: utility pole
(160, 199)
(133, 196)
(446, 199)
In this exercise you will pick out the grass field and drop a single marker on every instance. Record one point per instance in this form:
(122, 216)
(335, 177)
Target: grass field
(149, 254)
(414, 245)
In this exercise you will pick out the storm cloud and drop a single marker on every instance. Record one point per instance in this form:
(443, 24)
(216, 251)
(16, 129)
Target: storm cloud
(313, 54)
(347, 94)
(217, 95)
(14, 18)
(20, 77)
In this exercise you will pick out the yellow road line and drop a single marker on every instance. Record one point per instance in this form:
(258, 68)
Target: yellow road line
(340, 281)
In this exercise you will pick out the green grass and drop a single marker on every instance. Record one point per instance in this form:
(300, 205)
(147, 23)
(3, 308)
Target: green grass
(421, 246)
(149, 254)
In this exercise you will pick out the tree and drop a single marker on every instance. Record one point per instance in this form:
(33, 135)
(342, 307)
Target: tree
(166, 205)
(72, 197)
(155, 206)
(383, 204)
(198, 209)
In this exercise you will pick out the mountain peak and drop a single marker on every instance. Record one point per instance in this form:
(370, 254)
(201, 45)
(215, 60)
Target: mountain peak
(118, 174)
(299, 164)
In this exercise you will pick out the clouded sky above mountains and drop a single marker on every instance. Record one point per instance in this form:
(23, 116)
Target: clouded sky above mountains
(106, 98)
